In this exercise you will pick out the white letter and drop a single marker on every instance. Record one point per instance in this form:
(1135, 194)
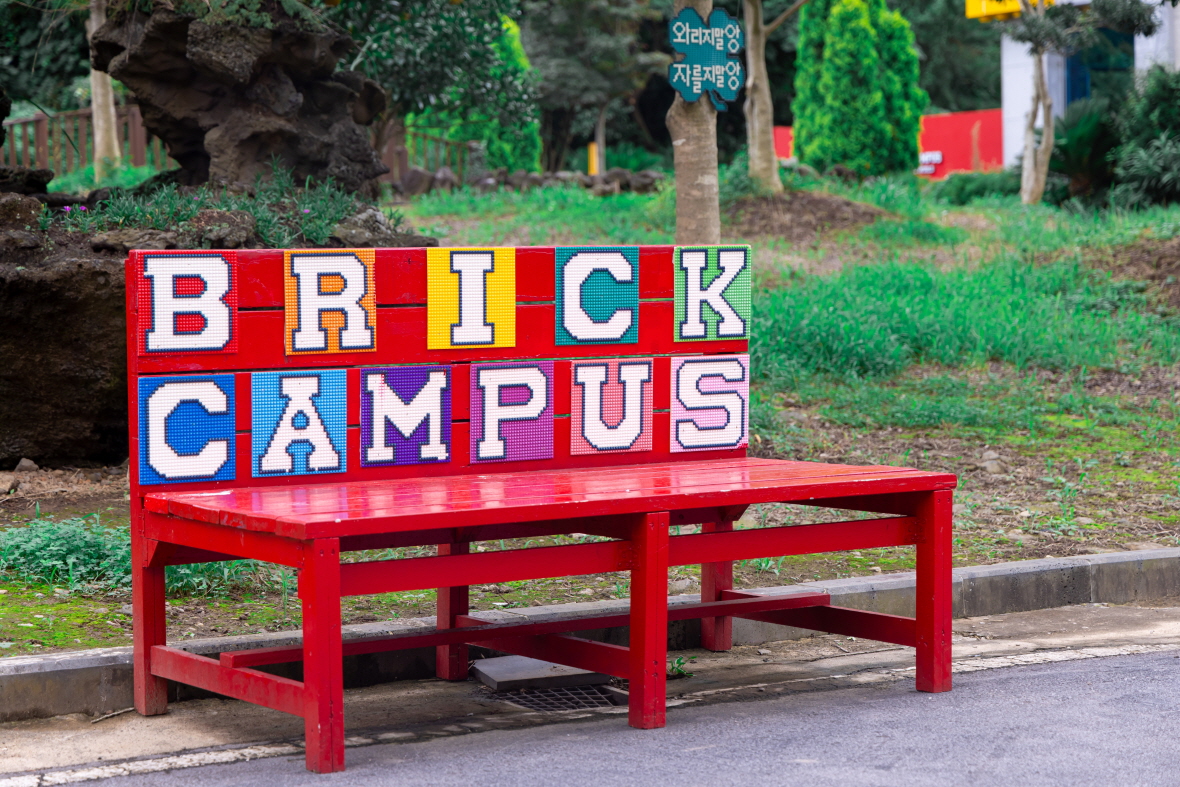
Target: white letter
(491, 446)
(473, 268)
(388, 406)
(161, 456)
(574, 274)
(594, 428)
(732, 261)
(164, 270)
(308, 270)
(299, 391)
(688, 380)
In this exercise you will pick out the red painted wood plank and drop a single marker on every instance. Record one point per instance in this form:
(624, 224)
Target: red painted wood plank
(793, 540)
(259, 688)
(391, 576)
(564, 649)
(219, 538)
(401, 338)
(849, 622)
(323, 658)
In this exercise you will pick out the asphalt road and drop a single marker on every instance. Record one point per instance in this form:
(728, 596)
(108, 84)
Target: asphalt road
(1109, 721)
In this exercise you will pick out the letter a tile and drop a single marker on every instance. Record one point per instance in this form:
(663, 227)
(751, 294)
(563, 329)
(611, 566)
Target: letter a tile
(470, 298)
(405, 415)
(511, 411)
(188, 301)
(597, 295)
(299, 423)
(611, 406)
(710, 402)
(331, 301)
(712, 293)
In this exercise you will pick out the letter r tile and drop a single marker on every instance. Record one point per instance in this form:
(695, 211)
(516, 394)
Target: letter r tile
(331, 301)
(470, 298)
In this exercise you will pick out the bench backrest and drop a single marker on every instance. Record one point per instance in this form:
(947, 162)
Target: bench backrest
(254, 368)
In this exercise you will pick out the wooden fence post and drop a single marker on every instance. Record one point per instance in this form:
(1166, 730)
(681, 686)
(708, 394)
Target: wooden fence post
(41, 137)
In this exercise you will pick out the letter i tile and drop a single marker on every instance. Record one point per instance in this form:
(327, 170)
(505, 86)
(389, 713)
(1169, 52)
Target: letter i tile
(470, 298)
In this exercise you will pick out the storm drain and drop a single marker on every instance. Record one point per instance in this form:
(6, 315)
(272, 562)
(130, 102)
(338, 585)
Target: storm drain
(566, 698)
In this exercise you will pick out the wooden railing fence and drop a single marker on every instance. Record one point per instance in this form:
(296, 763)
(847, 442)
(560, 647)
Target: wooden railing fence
(44, 142)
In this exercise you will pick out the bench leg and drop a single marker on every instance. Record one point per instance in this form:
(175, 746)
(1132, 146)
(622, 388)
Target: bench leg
(451, 660)
(150, 628)
(933, 601)
(323, 657)
(648, 662)
(716, 633)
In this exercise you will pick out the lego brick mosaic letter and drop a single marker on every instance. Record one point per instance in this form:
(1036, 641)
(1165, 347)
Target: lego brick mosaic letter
(187, 302)
(186, 429)
(470, 298)
(597, 295)
(511, 411)
(710, 402)
(611, 406)
(331, 302)
(405, 415)
(716, 277)
(299, 422)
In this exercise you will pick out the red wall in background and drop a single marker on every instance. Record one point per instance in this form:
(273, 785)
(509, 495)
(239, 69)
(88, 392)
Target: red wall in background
(951, 142)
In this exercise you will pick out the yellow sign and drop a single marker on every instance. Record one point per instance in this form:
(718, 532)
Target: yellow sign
(994, 10)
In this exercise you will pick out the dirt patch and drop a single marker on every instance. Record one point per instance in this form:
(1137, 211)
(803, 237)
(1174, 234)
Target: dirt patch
(798, 216)
(1156, 261)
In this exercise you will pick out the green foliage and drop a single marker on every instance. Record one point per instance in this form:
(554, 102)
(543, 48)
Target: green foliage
(513, 145)
(905, 100)
(1154, 109)
(1149, 173)
(960, 57)
(962, 188)
(43, 52)
(858, 99)
(81, 553)
(438, 54)
(1085, 137)
(874, 321)
(284, 214)
(80, 181)
(734, 181)
(912, 233)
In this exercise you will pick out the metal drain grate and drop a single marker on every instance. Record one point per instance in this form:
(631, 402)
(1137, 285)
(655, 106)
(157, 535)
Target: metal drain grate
(571, 698)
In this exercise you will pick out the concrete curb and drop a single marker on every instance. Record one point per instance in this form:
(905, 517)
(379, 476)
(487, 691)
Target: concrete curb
(99, 681)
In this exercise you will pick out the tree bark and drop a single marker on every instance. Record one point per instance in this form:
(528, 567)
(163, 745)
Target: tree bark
(600, 137)
(102, 104)
(694, 150)
(1035, 165)
(1034, 170)
(759, 104)
(556, 126)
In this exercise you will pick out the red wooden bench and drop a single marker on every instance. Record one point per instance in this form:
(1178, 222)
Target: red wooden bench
(294, 406)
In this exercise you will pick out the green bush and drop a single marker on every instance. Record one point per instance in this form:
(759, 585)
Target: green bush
(961, 188)
(873, 321)
(734, 182)
(1084, 140)
(1149, 173)
(1153, 109)
(905, 100)
(81, 553)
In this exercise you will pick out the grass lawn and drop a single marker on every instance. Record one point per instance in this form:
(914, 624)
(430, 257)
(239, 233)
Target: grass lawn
(1032, 351)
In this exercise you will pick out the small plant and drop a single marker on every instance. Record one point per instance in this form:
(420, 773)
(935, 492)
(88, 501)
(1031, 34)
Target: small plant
(676, 668)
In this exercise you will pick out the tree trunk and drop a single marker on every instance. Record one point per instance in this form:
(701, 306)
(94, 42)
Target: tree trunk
(1035, 165)
(694, 151)
(556, 126)
(102, 104)
(759, 104)
(600, 137)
